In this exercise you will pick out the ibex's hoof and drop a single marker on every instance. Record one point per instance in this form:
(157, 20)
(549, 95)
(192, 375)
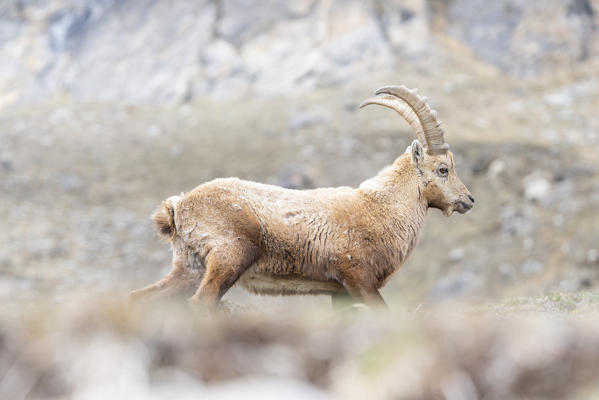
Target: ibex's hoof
(230, 307)
(360, 307)
(199, 306)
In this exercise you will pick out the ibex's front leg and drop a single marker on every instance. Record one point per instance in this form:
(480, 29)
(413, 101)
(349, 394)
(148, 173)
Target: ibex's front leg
(223, 267)
(179, 280)
(341, 300)
(361, 287)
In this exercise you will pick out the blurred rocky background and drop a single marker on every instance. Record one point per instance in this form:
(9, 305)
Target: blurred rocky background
(108, 107)
(180, 51)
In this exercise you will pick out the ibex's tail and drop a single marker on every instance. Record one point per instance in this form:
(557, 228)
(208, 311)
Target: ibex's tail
(164, 218)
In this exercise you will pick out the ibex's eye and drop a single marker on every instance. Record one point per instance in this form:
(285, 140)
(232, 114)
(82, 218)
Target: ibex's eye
(443, 171)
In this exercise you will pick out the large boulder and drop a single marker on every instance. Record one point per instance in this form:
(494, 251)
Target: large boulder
(525, 37)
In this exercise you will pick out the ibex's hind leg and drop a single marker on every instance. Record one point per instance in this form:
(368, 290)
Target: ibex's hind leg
(178, 281)
(223, 267)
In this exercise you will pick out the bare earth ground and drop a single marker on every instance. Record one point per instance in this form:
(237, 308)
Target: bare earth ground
(78, 182)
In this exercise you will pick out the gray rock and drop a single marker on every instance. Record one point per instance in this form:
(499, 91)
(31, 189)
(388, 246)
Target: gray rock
(175, 151)
(173, 52)
(242, 20)
(220, 60)
(456, 255)
(307, 118)
(560, 98)
(496, 168)
(516, 36)
(455, 285)
(73, 45)
(536, 188)
(71, 182)
(405, 25)
(517, 221)
(592, 256)
(506, 271)
(6, 162)
(531, 266)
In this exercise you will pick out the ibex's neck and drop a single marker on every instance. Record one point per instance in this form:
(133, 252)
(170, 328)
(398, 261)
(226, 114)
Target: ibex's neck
(397, 184)
(396, 190)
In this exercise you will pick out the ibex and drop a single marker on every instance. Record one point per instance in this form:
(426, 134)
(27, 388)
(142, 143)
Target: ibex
(342, 242)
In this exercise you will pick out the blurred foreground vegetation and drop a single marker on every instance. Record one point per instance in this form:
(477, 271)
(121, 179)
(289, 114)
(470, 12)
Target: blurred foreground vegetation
(98, 347)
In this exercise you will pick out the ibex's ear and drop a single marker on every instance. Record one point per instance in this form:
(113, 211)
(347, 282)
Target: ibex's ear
(417, 152)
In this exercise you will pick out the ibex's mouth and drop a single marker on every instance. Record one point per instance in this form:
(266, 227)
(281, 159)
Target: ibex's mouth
(462, 207)
(448, 211)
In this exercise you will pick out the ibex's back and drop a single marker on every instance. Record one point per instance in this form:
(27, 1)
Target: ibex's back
(337, 241)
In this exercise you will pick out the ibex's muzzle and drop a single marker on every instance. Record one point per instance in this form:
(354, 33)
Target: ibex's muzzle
(463, 206)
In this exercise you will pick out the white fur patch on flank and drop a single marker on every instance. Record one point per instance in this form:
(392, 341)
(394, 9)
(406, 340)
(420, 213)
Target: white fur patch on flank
(261, 283)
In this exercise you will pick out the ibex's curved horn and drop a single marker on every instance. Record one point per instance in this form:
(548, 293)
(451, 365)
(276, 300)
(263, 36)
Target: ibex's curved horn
(402, 109)
(416, 111)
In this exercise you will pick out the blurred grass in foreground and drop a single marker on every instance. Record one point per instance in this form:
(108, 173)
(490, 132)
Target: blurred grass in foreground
(533, 348)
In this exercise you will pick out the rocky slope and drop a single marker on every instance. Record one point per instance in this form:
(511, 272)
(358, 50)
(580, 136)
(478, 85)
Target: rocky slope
(175, 51)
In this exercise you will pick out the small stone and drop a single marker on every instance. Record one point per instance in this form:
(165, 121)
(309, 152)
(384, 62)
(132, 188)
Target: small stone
(176, 151)
(308, 118)
(4, 261)
(531, 266)
(185, 110)
(153, 130)
(481, 123)
(517, 106)
(561, 98)
(71, 182)
(452, 286)
(536, 188)
(456, 254)
(592, 256)
(585, 283)
(507, 271)
(566, 285)
(528, 243)
(517, 221)
(6, 163)
(558, 220)
(496, 168)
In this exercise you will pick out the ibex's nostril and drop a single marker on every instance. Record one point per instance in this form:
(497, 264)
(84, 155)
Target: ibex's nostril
(471, 198)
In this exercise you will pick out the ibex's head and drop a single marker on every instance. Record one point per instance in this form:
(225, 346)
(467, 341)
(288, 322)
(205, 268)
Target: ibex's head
(430, 153)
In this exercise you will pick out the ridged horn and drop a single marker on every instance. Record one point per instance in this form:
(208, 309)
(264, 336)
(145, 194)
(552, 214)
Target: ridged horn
(415, 109)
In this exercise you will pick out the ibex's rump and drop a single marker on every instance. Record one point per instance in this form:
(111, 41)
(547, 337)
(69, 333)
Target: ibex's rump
(335, 241)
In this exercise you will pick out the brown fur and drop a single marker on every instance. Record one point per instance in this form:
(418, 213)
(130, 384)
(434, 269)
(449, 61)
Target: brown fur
(273, 240)
(276, 241)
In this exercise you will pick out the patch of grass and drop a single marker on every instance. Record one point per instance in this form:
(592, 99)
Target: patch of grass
(581, 302)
